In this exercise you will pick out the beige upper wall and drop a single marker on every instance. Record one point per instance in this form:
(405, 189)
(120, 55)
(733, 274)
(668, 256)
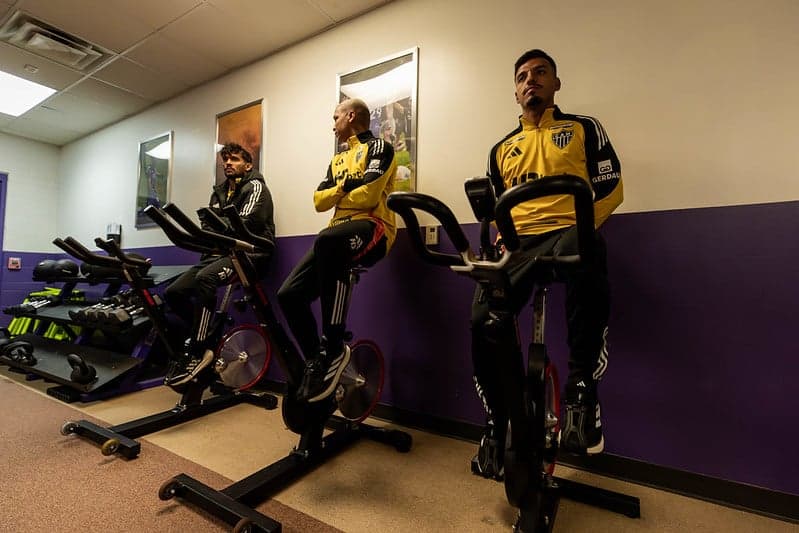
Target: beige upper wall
(698, 98)
(31, 194)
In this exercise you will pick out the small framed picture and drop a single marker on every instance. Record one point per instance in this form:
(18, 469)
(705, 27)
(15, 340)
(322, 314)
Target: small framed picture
(155, 176)
(389, 88)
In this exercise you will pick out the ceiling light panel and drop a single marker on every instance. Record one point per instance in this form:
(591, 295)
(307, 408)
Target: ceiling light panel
(18, 95)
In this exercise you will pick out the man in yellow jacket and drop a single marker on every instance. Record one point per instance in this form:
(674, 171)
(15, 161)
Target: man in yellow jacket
(549, 142)
(361, 232)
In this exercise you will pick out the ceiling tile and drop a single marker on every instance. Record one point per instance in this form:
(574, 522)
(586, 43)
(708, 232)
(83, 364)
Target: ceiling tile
(268, 26)
(154, 13)
(13, 61)
(139, 80)
(98, 22)
(274, 13)
(271, 32)
(75, 113)
(340, 10)
(163, 55)
(205, 20)
(101, 92)
(49, 132)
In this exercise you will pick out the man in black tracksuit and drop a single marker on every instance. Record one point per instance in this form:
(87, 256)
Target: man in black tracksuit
(193, 295)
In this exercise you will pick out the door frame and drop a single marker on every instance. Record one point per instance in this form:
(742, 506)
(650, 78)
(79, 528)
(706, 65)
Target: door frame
(3, 188)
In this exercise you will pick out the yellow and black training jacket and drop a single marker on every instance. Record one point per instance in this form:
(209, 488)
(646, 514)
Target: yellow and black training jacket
(371, 163)
(559, 144)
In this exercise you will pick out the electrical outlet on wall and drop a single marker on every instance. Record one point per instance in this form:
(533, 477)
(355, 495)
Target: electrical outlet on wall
(431, 235)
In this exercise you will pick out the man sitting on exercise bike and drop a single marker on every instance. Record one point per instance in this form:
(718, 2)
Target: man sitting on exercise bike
(361, 232)
(193, 295)
(548, 142)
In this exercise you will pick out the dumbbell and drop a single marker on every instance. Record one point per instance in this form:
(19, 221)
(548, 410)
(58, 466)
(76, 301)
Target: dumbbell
(81, 372)
(91, 314)
(30, 307)
(120, 315)
(80, 315)
(20, 309)
(125, 316)
(125, 297)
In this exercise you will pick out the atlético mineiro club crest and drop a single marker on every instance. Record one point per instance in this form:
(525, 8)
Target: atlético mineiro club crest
(562, 138)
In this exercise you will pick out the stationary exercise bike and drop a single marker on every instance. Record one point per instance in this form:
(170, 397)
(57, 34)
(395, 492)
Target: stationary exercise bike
(242, 350)
(355, 396)
(533, 403)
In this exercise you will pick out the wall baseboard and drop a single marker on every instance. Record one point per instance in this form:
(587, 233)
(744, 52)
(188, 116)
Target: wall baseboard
(749, 498)
(762, 501)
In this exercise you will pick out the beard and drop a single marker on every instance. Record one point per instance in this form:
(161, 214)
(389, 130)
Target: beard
(234, 175)
(534, 101)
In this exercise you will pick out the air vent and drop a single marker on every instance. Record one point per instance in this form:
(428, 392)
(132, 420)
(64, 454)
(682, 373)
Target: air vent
(46, 41)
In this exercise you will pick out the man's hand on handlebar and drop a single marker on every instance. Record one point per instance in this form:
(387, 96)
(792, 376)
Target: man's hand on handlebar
(214, 225)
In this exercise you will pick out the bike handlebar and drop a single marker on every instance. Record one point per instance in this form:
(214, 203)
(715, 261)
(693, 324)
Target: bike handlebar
(218, 240)
(76, 249)
(176, 235)
(82, 253)
(112, 248)
(261, 243)
(550, 186)
(405, 202)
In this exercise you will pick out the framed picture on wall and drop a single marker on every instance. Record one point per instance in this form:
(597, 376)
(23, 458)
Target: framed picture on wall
(389, 88)
(155, 176)
(244, 126)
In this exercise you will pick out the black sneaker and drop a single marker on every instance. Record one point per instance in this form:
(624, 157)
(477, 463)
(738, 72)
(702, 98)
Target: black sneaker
(174, 367)
(179, 374)
(490, 459)
(322, 375)
(581, 432)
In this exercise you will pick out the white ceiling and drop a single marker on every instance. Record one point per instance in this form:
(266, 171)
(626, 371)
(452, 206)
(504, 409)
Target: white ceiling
(159, 49)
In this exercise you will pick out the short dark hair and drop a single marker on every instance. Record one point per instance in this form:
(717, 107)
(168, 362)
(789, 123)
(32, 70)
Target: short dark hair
(532, 54)
(234, 148)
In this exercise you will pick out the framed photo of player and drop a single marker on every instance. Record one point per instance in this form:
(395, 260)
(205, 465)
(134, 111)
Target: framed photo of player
(389, 88)
(155, 176)
(242, 125)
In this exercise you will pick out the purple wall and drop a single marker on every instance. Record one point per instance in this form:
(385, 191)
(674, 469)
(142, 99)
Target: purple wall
(701, 353)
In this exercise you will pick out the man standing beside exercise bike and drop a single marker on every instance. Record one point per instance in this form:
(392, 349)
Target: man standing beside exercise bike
(361, 232)
(193, 295)
(548, 142)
